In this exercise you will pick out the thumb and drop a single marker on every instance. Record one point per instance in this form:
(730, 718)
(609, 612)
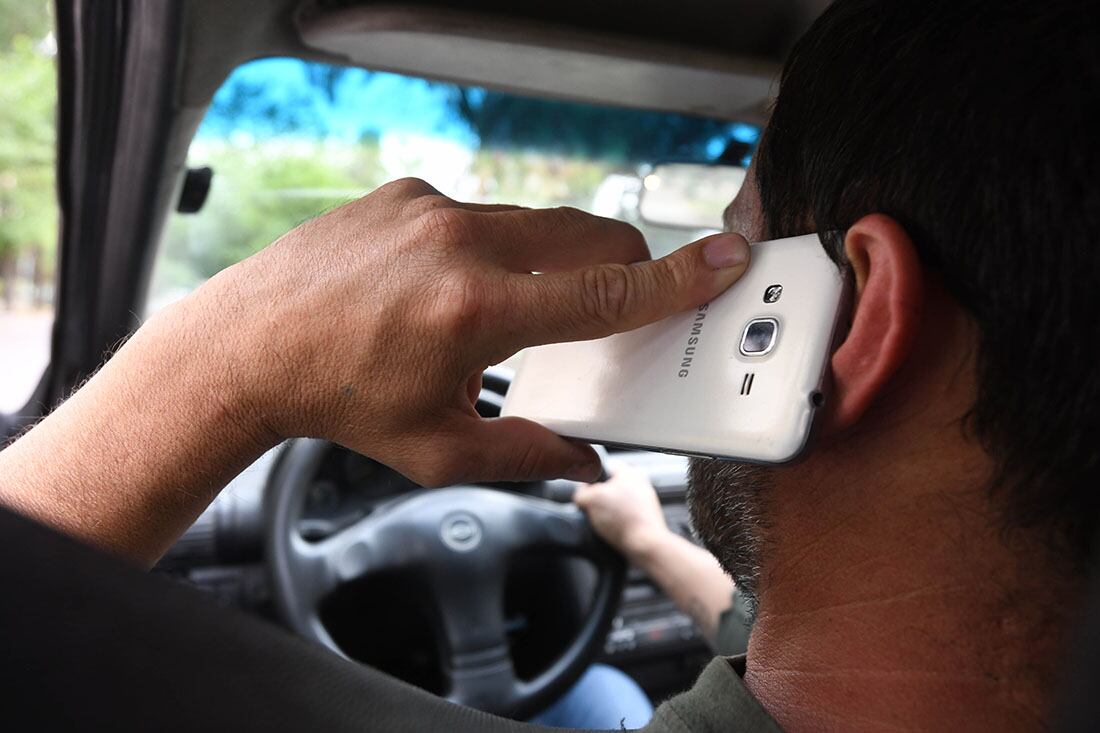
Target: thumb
(514, 449)
(598, 301)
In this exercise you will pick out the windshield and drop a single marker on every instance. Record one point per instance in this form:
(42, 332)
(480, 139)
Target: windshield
(288, 139)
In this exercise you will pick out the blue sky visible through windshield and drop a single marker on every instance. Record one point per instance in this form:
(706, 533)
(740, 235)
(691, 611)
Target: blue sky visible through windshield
(277, 97)
(291, 97)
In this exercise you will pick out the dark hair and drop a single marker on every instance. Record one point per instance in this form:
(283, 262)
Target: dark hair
(974, 124)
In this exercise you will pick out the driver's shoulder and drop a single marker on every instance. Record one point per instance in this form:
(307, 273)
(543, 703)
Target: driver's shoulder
(719, 701)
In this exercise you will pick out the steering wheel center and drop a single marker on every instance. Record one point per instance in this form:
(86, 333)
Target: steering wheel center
(461, 531)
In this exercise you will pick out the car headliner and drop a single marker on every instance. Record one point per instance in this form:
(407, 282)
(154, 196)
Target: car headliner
(742, 40)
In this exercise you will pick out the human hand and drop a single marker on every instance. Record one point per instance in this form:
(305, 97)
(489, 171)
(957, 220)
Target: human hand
(371, 325)
(626, 512)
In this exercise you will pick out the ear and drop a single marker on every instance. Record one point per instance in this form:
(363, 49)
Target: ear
(886, 313)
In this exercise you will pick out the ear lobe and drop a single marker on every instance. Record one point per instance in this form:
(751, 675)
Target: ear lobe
(886, 312)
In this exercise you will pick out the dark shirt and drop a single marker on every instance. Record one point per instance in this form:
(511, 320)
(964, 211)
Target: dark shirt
(731, 638)
(719, 701)
(91, 643)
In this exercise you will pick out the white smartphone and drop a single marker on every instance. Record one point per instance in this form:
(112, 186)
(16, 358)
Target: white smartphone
(740, 377)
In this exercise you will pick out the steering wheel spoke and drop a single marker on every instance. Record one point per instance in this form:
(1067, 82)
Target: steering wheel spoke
(477, 661)
(356, 551)
(486, 682)
(311, 568)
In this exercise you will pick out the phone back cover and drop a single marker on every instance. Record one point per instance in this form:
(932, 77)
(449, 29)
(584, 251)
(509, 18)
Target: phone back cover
(682, 384)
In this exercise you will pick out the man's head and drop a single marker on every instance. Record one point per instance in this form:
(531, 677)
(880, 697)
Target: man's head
(946, 152)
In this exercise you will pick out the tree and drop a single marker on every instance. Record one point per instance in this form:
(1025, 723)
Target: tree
(28, 208)
(29, 18)
(258, 193)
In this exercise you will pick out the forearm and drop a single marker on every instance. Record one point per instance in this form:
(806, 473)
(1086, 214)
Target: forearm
(133, 457)
(690, 575)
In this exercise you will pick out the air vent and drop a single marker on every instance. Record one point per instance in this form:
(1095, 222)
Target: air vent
(494, 384)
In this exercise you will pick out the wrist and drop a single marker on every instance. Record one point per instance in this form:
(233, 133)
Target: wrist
(213, 363)
(282, 366)
(645, 545)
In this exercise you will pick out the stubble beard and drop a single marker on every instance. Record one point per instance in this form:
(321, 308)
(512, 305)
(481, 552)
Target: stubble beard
(728, 508)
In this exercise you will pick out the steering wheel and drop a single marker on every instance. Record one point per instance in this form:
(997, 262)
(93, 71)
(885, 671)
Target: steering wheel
(458, 542)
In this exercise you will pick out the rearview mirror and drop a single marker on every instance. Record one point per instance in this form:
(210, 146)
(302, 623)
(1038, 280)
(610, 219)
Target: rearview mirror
(688, 195)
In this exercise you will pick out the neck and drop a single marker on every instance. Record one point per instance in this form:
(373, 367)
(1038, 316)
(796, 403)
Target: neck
(895, 601)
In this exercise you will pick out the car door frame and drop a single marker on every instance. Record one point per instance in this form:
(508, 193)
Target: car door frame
(117, 71)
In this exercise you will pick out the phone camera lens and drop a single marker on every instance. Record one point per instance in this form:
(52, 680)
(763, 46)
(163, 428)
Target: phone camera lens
(759, 337)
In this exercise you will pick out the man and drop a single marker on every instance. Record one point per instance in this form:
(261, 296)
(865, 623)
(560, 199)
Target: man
(922, 566)
(917, 569)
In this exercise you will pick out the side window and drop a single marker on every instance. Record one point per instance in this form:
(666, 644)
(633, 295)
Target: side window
(28, 205)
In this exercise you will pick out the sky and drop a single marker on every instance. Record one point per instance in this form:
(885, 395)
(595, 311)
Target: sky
(283, 97)
(278, 96)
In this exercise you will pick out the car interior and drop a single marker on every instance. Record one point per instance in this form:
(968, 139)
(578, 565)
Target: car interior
(132, 142)
(148, 127)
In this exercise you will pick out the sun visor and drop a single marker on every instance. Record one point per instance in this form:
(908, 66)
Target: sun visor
(525, 57)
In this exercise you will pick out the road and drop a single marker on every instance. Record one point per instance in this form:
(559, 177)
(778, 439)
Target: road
(24, 351)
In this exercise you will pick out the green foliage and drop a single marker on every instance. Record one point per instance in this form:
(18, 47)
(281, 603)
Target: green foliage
(29, 18)
(262, 190)
(28, 95)
(258, 194)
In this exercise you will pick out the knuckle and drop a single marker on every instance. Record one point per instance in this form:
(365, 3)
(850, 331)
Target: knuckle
(461, 305)
(426, 203)
(408, 187)
(607, 293)
(673, 274)
(571, 219)
(445, 224)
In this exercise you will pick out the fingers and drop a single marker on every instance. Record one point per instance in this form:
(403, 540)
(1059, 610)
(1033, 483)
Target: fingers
(623, 476)
(402, 191)
(600, 300)
(521, 239)
(555, 240)
(513, 449)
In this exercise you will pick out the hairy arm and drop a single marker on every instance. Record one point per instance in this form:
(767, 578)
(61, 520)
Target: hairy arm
(133, 457)
(627, 513)
(368, 326)
(691, 577)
